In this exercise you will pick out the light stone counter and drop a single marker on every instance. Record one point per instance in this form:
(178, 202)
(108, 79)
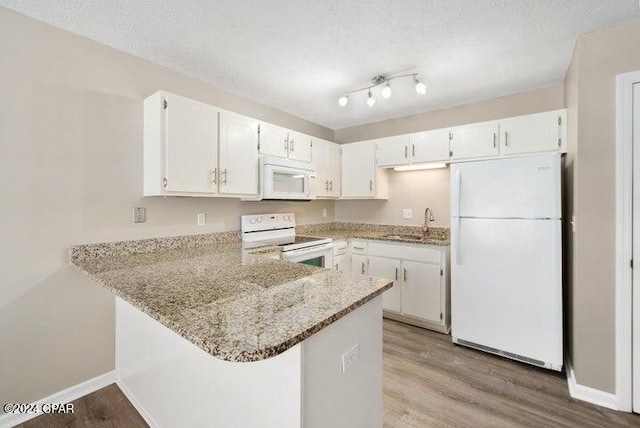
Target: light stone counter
(408, 234)
(235, 304)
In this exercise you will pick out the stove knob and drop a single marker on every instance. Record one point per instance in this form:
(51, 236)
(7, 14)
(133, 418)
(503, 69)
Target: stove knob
(259, 219)
(252, 220)
(287, 218)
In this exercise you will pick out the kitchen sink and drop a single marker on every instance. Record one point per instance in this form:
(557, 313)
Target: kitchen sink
(415, 238)
(406, 237)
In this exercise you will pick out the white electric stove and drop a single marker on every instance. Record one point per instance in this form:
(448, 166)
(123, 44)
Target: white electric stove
(280, 229)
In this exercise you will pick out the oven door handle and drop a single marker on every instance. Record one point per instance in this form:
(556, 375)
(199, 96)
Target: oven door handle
(309, 250)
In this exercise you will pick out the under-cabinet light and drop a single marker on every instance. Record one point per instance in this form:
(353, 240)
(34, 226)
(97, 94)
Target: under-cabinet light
(419, 166)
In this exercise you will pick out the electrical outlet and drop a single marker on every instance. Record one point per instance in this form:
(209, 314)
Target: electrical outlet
(324, 212)
(407, 213)
(201, 219)
(349, 358)
(139, 214)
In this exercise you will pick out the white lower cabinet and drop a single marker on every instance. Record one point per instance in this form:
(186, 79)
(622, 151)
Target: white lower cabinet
(341, 259)
(388, 268)
(421, 291)
(420, 295)
(359, 264)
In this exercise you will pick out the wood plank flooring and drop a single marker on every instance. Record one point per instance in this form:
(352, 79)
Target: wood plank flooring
(428, 382)
(106, 407)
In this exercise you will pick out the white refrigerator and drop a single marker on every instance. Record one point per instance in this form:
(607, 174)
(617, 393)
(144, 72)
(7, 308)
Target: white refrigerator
(506, 251)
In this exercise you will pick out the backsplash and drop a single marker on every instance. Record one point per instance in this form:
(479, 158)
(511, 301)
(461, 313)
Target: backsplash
(434, 232)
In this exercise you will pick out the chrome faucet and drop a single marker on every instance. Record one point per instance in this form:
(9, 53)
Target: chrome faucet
(428, 216)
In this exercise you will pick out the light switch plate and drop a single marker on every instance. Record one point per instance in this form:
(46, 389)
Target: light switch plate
(139, 214)
(407, 213)
(201, 219)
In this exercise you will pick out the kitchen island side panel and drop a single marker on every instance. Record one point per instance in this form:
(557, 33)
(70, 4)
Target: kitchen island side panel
(173, 383)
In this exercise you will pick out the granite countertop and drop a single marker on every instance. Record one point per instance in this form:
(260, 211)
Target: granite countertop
(238, 305)
(383, 236)
(408, 234)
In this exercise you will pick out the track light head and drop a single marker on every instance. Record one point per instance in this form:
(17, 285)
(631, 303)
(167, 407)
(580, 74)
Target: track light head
(386, 91)
(371, 99)
(343, 100)
(421, 88)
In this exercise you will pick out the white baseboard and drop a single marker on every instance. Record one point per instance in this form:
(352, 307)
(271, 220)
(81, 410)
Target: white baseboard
(62, 397)
(588, 394)
(134, 401)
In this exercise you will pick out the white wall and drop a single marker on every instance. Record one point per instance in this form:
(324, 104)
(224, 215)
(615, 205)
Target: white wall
(71, 171)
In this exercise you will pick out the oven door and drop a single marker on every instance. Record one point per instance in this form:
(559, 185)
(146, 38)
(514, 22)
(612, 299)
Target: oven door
(283, 182)
(319, 255)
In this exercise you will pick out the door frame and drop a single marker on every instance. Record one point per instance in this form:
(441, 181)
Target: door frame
(624, 241)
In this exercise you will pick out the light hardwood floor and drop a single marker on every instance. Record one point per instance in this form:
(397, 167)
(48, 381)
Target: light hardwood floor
(428, 382)
(106, 407)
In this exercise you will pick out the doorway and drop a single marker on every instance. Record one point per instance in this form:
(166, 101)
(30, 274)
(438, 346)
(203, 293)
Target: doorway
(628, 242)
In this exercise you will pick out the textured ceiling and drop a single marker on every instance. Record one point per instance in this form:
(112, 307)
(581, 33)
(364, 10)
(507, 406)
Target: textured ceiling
(299, 56)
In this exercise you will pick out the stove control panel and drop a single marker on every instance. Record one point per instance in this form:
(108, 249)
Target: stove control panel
(259, 222)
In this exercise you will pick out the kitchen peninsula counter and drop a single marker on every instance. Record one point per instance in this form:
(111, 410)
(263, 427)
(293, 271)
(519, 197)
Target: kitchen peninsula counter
(238, 305)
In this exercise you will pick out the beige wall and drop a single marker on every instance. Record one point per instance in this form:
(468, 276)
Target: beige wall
(496, 108)
(71, 170)
(599, 57)
(411, 189)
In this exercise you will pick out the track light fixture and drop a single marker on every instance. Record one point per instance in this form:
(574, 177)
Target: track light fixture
(421, 88)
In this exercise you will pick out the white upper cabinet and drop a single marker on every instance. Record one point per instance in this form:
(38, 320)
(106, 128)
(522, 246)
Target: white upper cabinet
(327, 160)
(393, 151)
(429, 146)
(360, 177)
(278, 141)
(533, 133)
(477, 140)
(180, 146)
(421, 147)
(238, 163)
(299, 146)
(334, 174)
(274, 140)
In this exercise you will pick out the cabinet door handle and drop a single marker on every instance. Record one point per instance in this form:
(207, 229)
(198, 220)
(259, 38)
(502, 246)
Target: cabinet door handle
(406, 151)
(214, 174)
(358, 248)
(336, 266)
(224, 173)
(292, 147)
(405, 275)
(494, 140)
(331, 185)
(506, 139)
(363, 268)
(286, 145)
(370, 184)
(413, 150)
(326, 185)
(396, 274)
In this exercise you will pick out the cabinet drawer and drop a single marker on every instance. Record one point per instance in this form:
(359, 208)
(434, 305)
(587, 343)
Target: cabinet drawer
(358, 246)
(340, 248)
(416, 252)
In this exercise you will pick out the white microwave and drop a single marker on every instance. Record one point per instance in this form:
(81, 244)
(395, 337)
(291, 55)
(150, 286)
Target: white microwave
(286, 179)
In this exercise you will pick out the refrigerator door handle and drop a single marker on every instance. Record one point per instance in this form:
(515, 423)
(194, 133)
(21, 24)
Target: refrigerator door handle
(458, 252)
(458, 190)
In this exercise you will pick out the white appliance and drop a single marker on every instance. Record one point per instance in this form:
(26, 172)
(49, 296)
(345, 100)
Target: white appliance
(280, 229)
(286, 179)
(506, 273)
